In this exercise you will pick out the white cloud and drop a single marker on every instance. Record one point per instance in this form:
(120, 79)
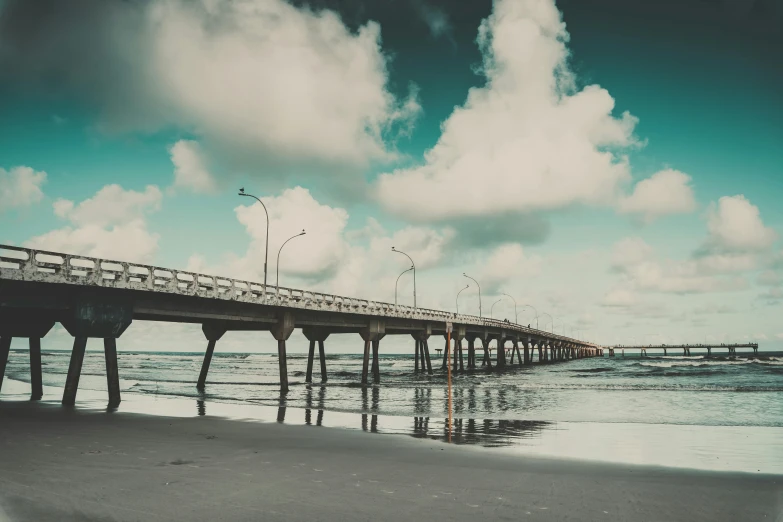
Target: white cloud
(329, 257)
(111, 225)
(527, 140)
(20, 187)
(665, 192)
(111, 205)
(190, 167)
(636, 262)
(507, 262)
(263, 81)
(735, 225)
(769, 278)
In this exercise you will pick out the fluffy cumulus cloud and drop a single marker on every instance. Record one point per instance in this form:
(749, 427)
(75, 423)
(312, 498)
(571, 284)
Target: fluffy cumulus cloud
(260, 80)
(20, 187)
(527, 140)
(111, 225)
(190, 167)
(504, 264)
(665, 192)
(329, 257)
(641, 270)
(735, 225)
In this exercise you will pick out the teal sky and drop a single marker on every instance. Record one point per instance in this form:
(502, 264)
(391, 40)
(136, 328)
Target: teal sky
(675, 263)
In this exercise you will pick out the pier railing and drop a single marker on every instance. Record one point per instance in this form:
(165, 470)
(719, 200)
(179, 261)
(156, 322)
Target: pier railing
(24, 264)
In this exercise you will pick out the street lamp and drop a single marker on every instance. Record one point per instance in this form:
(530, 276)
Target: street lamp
(277, 268)
(266, 250)
(516, 316)
(551, 321)
(414, 273)
(479, 290)
(395, 284)
(466, 287)
(491, 308)
(534, 311)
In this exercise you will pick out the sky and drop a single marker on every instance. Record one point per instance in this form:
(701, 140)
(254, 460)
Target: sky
(615, 167)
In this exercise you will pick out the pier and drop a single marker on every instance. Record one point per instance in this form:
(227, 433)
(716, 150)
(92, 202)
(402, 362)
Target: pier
(98, 298)
(731, 349)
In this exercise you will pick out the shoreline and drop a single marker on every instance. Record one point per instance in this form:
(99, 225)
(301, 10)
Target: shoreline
(77, 464)
(668, 446)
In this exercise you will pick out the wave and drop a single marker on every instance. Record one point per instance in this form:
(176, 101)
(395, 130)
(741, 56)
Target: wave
(772, 361)
(593, 370)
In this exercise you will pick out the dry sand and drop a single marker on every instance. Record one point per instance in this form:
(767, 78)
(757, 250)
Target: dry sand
(64, 465)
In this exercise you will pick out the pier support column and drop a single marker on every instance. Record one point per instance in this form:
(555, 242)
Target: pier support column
(471, 351)
(457, 334)
(501, 356)
(74, 371)
(487, 361)
(374, 332)
(36, 378)
(376, 366)
(112, 374)
(526, 348)
(5, 348)
(34, 326)
(281, 332)
(213, 331)
(416, 355)
(315, 335)
(93, 317)
(426, 347)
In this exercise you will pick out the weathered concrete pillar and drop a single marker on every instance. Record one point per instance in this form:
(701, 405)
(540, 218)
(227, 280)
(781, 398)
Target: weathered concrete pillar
(213, 331)
(315, 335)
(526, 348)
(36, 378)
(373, 332)
(95, 318)
(487, 359)
(471, 351)
(416, 356)
(5, 348)
(322, 359)
(34, 326)
(112, 374)
(501, 356)
(74, 371)
(281, 332)
(376, 367)
(426, 346)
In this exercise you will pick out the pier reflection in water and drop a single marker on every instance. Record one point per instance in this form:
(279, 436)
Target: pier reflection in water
(483, 432)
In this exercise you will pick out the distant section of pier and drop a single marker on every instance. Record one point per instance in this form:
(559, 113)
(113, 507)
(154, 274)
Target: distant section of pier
(686, 348)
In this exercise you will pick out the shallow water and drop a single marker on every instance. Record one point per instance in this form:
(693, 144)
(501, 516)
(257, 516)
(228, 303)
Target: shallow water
(710, 413)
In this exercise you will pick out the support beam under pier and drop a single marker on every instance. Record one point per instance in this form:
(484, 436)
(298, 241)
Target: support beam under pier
(281, 332)
(36, 377)
(74, 371)
(5, 348)
(213, 331)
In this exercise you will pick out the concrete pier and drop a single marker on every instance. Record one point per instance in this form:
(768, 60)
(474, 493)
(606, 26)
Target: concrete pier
(99, 299)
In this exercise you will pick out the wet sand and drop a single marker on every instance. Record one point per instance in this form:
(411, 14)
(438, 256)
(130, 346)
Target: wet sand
(68, 465)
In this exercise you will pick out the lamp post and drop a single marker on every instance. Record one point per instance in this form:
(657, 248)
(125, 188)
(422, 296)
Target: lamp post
(395, 284)
(266, 249)
(466, 287)
(534, 311)
(479, 289)
(414, 273)
(551, 321)
(277, 268)
(516, 316)
(492, 308)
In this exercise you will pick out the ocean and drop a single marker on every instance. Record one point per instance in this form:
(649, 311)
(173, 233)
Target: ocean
(717, 413)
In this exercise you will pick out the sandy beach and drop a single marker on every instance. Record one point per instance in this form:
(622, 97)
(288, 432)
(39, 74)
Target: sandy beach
(68, 465)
